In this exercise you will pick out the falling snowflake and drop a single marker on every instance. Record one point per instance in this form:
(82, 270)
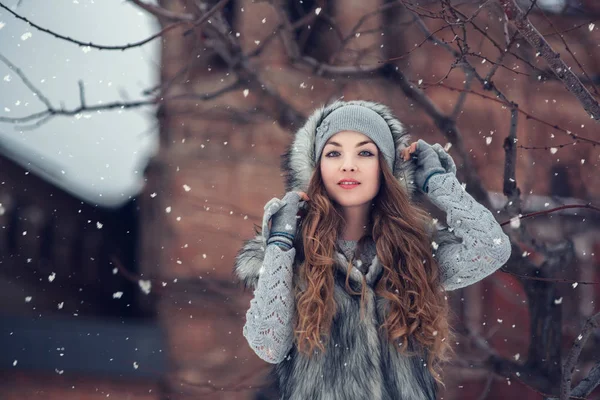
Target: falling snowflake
(26, 36)
(318, 10)
(51, 277)
(186, 188)
(117, 295)
(590, 26)
(145, 286)
(515, 222)
(246, 92)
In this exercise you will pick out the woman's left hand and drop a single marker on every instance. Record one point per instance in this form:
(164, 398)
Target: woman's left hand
(408, 151)
(430, 160)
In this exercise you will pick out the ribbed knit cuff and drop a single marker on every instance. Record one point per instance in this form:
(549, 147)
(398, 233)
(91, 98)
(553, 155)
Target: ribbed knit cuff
(282, 239)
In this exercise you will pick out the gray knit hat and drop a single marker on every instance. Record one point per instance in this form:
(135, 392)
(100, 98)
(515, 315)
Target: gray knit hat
(356, 118)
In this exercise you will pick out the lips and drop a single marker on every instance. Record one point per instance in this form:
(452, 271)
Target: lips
(348, 183)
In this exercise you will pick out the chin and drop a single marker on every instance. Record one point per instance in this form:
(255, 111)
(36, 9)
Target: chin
(352, 202)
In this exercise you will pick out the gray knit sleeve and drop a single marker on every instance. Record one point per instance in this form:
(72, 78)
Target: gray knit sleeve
(479, 246)
(269, 320)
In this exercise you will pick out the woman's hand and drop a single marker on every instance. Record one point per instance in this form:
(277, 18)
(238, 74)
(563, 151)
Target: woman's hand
(284, 222)
(428, 160)
(408, 151)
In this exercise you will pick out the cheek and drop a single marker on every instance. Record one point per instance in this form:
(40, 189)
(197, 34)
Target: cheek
(326, 173)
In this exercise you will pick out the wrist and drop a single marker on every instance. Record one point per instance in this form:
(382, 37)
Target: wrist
(284, 240)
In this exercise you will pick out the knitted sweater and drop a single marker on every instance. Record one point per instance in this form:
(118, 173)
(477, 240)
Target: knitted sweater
(480, 248)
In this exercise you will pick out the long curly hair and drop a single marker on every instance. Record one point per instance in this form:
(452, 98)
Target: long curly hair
(418, 306)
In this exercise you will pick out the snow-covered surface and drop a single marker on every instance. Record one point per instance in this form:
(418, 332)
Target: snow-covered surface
(98, 157)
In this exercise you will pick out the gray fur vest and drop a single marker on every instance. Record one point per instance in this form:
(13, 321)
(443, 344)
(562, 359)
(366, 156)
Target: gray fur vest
(359, 361)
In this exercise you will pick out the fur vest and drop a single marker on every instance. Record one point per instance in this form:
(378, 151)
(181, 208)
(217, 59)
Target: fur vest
(359, 361)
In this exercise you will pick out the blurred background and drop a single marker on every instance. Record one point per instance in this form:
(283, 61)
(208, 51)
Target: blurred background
(139, 141)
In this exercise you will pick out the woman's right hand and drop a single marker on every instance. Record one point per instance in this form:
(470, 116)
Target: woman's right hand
(284, 221)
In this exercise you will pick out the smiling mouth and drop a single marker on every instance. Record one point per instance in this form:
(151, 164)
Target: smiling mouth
(348, 185)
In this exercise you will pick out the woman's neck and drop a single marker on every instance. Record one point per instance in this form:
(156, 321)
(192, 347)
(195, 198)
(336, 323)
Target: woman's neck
(356, 221)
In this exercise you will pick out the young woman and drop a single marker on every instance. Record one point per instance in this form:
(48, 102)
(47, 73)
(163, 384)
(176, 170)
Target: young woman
(349, 279)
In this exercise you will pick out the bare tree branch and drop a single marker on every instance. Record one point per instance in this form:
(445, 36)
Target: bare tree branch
(563, 72)
(573, 356)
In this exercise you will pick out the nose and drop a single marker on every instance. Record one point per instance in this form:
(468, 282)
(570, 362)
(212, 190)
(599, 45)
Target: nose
(348, 164)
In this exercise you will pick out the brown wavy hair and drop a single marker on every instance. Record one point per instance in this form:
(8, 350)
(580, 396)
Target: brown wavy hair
(418, 306)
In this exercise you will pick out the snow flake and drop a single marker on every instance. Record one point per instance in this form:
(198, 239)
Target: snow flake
(517, 356)
(575, 285)
(318, 10)
(153, 195)
(186, 188)
(558, 301)
(488, 140)
(246, 92)
(553, 150)
(168, 210)
(15, 363)
(264, 20)
(145, 285)
(135, 365)
(117, 295)
(7, 78)
(86, 49)
(515, 222)
(26, 35)
(580, 337)
(51, 277)
(590, 26)
(99, 225)
(2, 24)
(28, 299)
(60, 305)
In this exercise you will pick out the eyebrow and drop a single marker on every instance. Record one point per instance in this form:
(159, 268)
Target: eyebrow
(357, 145)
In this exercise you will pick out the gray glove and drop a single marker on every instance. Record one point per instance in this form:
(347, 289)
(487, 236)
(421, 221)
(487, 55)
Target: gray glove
(285, 221)
(428, 164)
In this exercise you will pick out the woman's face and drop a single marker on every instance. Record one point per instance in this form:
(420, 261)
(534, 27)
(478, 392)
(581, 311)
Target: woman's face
(350, 156)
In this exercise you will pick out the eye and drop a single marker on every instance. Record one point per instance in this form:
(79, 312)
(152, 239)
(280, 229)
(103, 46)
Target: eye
(330, 153)
(369, 154)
